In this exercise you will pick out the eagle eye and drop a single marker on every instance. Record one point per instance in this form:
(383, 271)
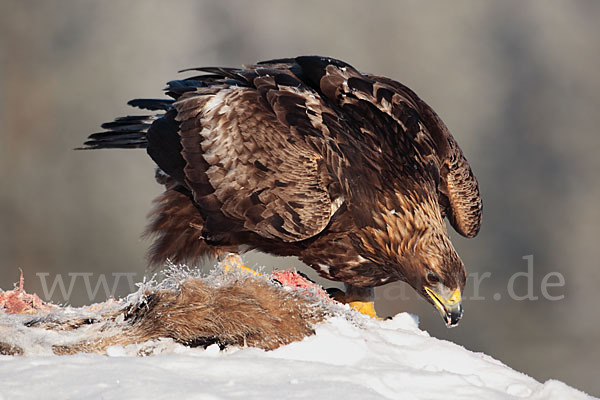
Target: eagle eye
(432, 278)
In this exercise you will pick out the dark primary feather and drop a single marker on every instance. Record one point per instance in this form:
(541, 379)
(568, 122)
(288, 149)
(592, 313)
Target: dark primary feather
(151, 104)
(351, 172)
(123, 132)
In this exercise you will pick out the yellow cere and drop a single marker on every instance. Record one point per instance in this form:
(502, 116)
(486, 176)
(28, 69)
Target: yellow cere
(455, 298)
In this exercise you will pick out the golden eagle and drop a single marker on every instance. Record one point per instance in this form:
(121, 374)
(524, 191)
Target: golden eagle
(351, 172)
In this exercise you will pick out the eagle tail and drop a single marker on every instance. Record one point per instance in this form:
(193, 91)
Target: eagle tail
(122, 133)
(128, 132)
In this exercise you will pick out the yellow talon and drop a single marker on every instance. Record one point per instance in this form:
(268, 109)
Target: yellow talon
(365, 307)
(242, 268)
(234, 262)
(358, 298)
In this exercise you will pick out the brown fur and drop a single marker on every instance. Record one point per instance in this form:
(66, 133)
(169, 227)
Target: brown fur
(10, 350)
(251, 312)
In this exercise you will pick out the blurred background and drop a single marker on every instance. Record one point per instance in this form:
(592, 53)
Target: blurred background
(516, 82)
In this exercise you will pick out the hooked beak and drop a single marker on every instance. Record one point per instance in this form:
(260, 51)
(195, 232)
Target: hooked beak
(447, 303)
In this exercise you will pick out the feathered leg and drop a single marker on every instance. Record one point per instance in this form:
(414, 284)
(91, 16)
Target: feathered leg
(176, 227)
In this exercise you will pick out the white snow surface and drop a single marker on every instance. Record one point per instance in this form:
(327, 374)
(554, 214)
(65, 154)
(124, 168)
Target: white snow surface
(358, 359)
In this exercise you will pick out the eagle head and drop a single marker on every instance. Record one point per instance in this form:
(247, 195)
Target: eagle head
(438, 274)
(413, 243)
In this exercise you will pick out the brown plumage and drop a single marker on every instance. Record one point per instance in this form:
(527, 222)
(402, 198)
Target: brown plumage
(351, 172)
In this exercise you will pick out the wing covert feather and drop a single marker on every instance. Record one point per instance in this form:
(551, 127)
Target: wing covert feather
(254, 167)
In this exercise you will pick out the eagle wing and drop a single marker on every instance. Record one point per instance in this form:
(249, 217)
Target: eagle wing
(458, 189)
(459, 186)
(460, 198)
(252, 155)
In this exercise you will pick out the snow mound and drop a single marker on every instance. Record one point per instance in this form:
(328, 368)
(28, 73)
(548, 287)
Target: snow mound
(360, 358)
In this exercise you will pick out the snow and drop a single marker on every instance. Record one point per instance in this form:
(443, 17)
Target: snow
(361, 358)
